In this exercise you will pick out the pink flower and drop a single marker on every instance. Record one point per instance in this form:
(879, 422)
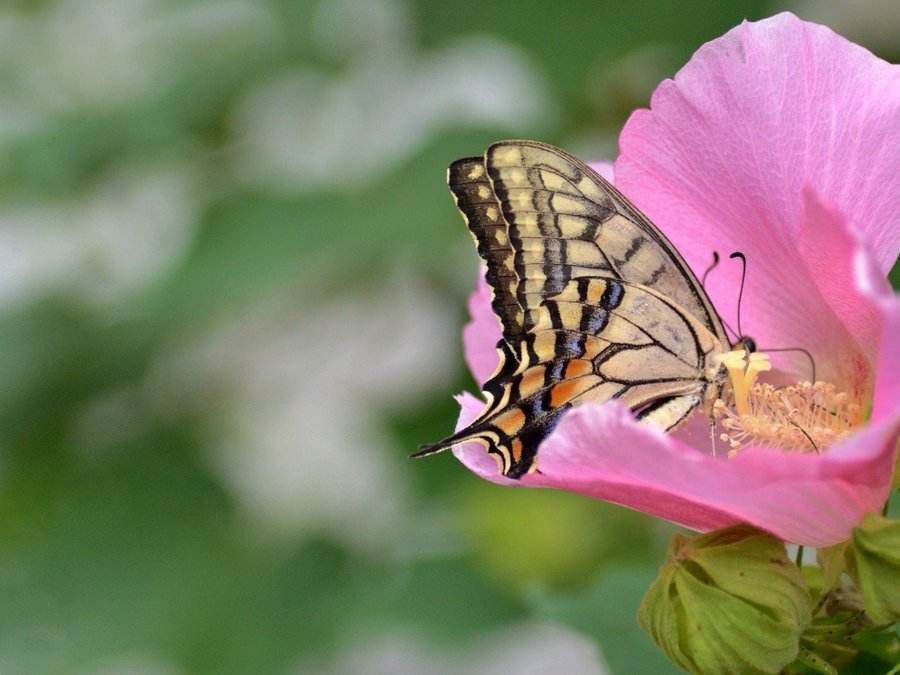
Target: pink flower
(780, 139)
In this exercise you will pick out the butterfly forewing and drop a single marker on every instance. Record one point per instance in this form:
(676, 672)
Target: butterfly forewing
(475, 198)
(585, 226)
(594, 303)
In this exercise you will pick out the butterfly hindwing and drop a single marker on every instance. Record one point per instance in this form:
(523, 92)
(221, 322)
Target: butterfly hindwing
(593, 301)
(588, 344)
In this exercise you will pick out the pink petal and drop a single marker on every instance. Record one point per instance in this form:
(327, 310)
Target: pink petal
(874, 287)
(724, 156)
(841, 323)
(605, 169)
(849, 282)
(481, 334)
(601, 452)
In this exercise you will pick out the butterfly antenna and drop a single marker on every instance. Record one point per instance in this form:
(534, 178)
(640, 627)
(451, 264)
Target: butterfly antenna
(738, 254)
(713, 265)
(734, 333)
(812, 361)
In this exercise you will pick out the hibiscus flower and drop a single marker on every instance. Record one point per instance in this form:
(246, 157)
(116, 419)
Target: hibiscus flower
(781, 140)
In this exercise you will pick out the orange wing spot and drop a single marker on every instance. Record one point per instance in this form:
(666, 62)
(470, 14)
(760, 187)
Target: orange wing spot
(516, 449)
(593, 346)
(595, 291)
(532, 380)
(578, 368)
(565, 391)
(510, 422)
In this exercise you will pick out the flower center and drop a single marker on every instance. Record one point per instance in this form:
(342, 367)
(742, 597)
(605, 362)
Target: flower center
(805, 417)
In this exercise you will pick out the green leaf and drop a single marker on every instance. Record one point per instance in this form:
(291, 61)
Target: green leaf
(829, 639)
(814, 579)
(883, 644)
(728, 602)
(815, 663)
(831, 560)
(834, 627)
(874, 563)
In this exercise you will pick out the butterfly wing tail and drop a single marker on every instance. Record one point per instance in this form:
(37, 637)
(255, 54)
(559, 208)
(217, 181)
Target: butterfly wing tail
(460, 437)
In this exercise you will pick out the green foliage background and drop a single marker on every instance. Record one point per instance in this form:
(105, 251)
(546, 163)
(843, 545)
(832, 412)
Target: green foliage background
(197, 192)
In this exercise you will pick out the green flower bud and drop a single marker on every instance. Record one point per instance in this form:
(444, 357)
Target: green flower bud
(727, 602)
(832, 565)
(874, 563)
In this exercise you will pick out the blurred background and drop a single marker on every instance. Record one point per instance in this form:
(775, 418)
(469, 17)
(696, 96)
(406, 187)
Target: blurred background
(232, 284)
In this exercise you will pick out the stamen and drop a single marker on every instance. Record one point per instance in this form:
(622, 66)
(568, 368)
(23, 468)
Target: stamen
(805, 417)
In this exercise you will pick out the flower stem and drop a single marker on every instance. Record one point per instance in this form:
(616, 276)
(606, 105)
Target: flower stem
(799, 558)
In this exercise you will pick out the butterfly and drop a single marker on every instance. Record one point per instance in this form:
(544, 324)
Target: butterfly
(595, 304)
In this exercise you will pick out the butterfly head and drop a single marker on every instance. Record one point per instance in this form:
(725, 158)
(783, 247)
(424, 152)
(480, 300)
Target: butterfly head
(747, 344)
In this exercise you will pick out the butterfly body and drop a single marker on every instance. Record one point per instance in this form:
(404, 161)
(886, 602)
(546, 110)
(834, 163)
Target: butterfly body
(593, 301)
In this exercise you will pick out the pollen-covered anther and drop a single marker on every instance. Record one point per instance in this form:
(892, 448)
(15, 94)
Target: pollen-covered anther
(804, 417)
